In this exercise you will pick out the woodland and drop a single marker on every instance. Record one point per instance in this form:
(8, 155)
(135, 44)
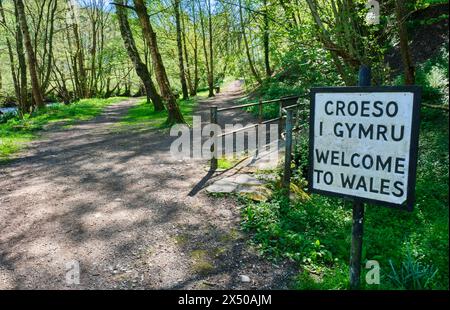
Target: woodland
(70, 59)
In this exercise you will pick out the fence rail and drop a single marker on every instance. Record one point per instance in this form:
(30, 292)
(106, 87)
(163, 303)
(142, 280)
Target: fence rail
(285, 112)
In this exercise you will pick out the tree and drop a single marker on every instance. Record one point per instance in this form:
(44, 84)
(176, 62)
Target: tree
(23, 80)
(21, 97)
(184, 88)
(209, 59)
(345, 45)
(31, 56)
(133, 53)
(194, 88)
(188, 76)
(79, 70)
(247, 49)
(266, 31)
(174, 112)
(408, 65)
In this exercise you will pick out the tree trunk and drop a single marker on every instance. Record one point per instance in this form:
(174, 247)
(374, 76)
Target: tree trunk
(408, 65)
(207, 59)
(186, 57)
(50, 30)
(247, 50)
(79, 68)
(36, 88)
(184, 88)
(23, 81)
(91, 91)
(266, 41)
(196, 79)
(175, 115)
(211, 52)
(133, 53)
(11, 62)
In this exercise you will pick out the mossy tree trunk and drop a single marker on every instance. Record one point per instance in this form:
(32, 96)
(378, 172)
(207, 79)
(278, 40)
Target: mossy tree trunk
(133, 53)
(174, 112)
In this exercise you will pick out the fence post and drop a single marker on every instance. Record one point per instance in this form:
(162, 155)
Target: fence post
(288, 152)
(358, 210)
(260, 111)
(280, 115)
(213, 120)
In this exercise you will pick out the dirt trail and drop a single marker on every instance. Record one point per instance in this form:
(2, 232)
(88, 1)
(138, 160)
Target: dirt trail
(117, 203)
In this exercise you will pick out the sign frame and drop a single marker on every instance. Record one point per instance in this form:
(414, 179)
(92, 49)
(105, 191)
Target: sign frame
(413, 149)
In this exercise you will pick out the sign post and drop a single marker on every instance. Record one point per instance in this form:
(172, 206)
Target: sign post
(358, 210)
(363, 147)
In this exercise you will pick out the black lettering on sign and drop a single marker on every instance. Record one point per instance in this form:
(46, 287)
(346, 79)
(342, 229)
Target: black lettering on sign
(400, 165)
(400, 137)
(322, 157)
(398, 185)
(384, 186)
(361, 184)
(318, 172)
(392, 109)
(343, 163)
(359, 138)
(327, 111)
(372, 188)
(367, 162)
(366, 132)
(335, 158)
(365, 108)
(377, 107)
(353, 160)
(382, 129)
(352, 108)
(350, 129)
(340, 105)
(347, 181)
(328, 178)
(339, 133)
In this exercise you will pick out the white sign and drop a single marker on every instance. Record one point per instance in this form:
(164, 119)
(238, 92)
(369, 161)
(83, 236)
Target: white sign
(363, 143)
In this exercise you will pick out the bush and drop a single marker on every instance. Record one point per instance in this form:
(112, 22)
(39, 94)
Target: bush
(7, 116)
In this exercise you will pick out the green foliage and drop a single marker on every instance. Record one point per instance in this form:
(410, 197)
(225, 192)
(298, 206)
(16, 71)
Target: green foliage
(420, 4)
(327, 279)
(432, 75)
(412, 248)
(412, 274)
(16, 131)
(227, 162)
(7, 116)
(284, 231)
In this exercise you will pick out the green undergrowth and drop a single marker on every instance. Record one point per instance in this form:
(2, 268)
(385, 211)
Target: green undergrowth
(411, 247)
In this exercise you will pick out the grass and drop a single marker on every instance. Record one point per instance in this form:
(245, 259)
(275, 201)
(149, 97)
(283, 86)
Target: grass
(225, 163)
(15, 133)
(142, 115)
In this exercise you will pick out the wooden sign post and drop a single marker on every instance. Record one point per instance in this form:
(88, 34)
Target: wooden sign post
(364, 78)
(363, 147)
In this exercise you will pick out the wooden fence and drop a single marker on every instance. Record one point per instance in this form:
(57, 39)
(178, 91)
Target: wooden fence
(290, 110)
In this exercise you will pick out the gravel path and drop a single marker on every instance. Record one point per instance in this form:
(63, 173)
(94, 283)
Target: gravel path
(117, 203)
